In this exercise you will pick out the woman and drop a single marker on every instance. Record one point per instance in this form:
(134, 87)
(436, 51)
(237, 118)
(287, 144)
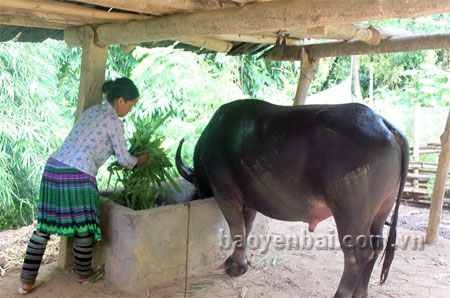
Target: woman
(68, 200)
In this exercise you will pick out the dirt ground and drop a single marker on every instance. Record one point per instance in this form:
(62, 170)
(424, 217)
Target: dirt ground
(285, 273)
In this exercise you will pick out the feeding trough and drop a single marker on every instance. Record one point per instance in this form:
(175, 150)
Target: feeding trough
(160, 247)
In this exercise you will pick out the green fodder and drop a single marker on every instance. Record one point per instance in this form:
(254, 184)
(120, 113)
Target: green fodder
(143, 184)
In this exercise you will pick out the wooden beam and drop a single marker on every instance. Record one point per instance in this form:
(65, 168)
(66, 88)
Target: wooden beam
(44, 17)
(29, 22)
(369, 34)
(74, 37)
(390, 45)
(162, 7)
(93, 66)
(266, 16)
(439, 186)
(62, 8)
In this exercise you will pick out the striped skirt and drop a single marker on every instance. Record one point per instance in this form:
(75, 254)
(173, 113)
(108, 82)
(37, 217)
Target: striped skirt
(68, 202)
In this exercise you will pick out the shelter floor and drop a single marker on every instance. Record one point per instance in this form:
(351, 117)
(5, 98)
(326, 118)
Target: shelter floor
(278, 273)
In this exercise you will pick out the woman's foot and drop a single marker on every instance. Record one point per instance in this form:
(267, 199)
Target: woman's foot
(93, 276)
(28, 287)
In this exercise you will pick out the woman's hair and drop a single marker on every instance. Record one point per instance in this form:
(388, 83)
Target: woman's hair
(123, 87)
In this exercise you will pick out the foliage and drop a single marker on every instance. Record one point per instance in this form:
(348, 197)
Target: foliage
(33, 111)
(428, 85)
(144, 183)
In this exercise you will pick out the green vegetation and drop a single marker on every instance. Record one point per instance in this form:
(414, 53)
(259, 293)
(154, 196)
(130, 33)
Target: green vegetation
(39, 86)
(143, 184)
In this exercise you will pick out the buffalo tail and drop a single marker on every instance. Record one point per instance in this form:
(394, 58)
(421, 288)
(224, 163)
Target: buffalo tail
(185, 171)
(389, 251)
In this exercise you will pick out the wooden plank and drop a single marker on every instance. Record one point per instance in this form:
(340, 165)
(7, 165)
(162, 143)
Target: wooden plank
(162, 7)
(423, 165)
(428, 151)
(91, 15)
(439, 186)
(267, 16)
(420, 177)
(416, 190)
(348, 48)
(93, 67)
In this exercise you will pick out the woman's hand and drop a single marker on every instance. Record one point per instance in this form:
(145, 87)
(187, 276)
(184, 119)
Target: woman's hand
(142, 159)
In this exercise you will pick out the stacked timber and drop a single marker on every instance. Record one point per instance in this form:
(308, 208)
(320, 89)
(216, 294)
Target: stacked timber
(419, 183)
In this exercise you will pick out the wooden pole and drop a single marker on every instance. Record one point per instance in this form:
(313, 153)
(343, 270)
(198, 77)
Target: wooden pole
(439, 186)
(308, 70)
(347, 48)
(355, 79)
(93, 66)
(416, 141)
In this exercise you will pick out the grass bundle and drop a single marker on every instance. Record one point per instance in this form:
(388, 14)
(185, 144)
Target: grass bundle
(143, 184)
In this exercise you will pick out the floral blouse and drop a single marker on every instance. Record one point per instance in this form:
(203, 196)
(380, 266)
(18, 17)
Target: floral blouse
(97, 135)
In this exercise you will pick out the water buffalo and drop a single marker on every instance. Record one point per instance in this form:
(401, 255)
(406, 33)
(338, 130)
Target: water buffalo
(305, 163)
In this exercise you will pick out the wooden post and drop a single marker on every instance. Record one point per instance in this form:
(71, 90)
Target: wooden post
(416, 141)
(308, 70)
(93, 66)
(439, 186)
(355, 79)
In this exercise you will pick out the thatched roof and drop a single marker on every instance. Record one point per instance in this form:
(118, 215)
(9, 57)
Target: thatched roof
(232, 26)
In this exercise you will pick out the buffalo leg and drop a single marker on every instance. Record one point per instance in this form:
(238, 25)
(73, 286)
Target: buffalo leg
(237, 263)
(376, 232)
(356, 254)
(229, 198)
(249, 218)
(361, 290)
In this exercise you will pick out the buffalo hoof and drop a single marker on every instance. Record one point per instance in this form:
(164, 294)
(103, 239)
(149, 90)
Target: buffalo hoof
(235, 269)
(230, 261)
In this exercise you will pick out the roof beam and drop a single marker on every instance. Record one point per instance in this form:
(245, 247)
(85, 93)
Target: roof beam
(30, 22)
(162, 7)
(347, 32)
(90, 15)
(348, 48)
(265, 16)
(74, 38)
(45, 18)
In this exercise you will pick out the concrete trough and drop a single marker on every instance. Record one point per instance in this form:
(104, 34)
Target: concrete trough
(154, 248)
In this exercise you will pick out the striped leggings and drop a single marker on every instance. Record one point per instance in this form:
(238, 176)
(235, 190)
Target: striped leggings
(82, 251)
